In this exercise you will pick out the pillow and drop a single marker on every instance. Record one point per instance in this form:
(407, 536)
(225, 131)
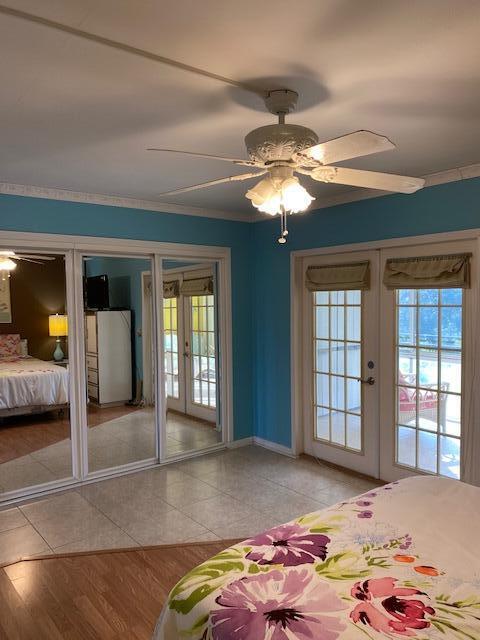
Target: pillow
(9, 345)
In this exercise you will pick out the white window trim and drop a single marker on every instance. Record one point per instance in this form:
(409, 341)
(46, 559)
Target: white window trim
(73, 247)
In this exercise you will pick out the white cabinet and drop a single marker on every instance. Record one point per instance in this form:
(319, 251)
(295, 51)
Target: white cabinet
(108, 337)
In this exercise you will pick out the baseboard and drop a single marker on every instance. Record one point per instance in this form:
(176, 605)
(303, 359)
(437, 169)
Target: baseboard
(266, 444)
(273, 446)
(243, 442)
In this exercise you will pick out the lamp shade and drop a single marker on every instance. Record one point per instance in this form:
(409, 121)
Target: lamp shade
(58, 325)
(6, 264)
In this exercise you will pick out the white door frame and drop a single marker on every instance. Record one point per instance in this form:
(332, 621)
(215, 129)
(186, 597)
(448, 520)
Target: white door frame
(297, 259)
(73, 247)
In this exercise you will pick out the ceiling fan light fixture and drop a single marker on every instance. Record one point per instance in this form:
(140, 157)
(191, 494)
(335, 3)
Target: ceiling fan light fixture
(295, 198)
(265, 197)
(272, 206)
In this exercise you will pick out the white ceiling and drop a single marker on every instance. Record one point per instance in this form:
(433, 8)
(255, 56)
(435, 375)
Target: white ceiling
(78, 115)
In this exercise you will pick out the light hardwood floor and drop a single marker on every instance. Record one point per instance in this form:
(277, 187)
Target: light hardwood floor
(104, 596)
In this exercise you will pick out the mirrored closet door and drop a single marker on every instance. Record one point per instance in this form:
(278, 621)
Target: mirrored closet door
(35, 370)
(119, 339)
(112, 358)
(191, 355)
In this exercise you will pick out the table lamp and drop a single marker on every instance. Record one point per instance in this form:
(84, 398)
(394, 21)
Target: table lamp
(58, 328)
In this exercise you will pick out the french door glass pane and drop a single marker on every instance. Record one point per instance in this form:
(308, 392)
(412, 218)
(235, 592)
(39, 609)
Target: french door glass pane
(337, 334)
(428, 385)
(203, 351)
(170, 346)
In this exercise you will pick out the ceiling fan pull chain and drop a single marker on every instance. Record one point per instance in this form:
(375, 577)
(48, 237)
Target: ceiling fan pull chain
(283, 226)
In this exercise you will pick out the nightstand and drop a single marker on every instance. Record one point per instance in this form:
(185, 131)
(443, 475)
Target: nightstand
(61, 363)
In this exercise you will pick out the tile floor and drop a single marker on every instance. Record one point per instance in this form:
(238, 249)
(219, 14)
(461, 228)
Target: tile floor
(124, 439)
(228, 494)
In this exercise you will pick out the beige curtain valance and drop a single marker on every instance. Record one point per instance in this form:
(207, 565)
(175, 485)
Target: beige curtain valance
(171, 289)
(197, 287)
(338, 277)
(444, 272)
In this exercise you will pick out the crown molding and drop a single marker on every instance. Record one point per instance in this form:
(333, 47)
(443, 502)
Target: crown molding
(48, 193)
(431, 180)
(30, 191)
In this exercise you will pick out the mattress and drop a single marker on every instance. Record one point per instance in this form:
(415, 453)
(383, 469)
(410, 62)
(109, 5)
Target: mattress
(31, 382)
(399, 561)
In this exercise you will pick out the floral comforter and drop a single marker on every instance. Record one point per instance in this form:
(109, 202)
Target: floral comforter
(399, 561)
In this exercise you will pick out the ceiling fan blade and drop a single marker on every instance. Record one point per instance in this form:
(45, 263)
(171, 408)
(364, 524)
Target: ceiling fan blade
(247, 163)
(352, 145)
(28, 260)
(27, 255)
(242, 176)
(368, 179)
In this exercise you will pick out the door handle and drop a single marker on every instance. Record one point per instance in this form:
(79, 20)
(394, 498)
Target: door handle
(186, 354)
(370, 380)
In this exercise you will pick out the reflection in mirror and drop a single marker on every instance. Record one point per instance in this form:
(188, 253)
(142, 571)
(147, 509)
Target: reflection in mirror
(35, 444)
(191, 355)
(118, 352)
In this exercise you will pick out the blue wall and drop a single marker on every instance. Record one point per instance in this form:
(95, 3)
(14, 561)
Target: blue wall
(445, 207)
(19, 213)
(260, 270)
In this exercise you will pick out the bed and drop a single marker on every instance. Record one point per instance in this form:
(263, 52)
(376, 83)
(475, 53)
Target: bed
(28, 385)
(399, 561)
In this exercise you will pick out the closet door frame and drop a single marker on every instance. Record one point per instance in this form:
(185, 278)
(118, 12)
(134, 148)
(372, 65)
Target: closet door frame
(73, 247)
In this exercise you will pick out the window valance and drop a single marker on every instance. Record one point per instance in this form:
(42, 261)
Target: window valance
(447, 271)
(197, 287)
(338, 277)
(171, 289)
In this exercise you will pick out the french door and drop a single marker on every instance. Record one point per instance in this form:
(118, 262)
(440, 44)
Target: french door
(174, 365)
(190, 348)
(427, 354)
(386, 391)
(200, 353)
(341, 353)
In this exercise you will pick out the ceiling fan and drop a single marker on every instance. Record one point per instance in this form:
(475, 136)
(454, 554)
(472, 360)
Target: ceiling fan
(282, 150)
(8, 261)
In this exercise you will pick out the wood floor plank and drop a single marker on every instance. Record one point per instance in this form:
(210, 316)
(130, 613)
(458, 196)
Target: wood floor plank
(21, 435)
(104, 596)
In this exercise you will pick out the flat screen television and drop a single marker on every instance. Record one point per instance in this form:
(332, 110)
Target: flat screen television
(96, 292)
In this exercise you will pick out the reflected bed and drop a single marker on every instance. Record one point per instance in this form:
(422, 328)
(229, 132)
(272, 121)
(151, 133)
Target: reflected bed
(398, 561)
(28, 385)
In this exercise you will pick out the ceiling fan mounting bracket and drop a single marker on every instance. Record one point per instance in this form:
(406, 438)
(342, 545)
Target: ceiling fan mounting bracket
(280, 102)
